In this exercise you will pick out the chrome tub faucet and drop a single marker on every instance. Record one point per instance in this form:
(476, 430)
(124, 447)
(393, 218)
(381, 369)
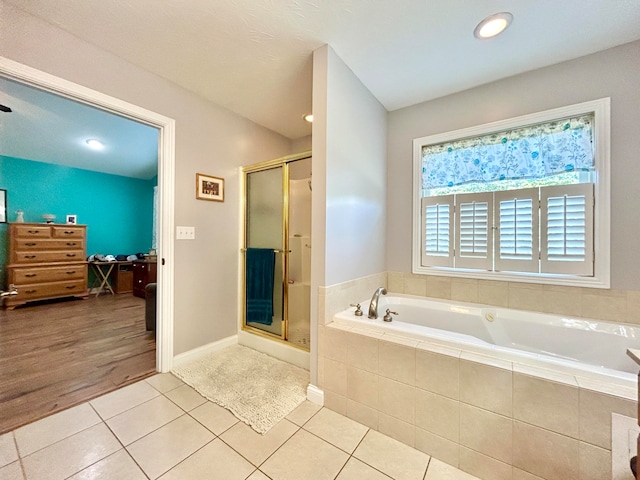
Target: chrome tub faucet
(373, 305)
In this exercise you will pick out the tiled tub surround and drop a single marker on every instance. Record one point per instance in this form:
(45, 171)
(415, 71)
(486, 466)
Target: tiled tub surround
(497, 419)
(489, 417)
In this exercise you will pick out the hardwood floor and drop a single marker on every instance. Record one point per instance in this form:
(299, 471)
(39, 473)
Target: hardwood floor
(57, 355)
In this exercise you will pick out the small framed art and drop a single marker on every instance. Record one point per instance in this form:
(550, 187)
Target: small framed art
(72, 219)
(209, 188)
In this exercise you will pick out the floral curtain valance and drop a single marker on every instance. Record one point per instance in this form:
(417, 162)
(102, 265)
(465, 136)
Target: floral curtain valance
(533, 151)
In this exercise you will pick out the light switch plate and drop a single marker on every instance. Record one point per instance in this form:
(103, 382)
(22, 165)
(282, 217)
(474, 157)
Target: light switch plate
(185, 233)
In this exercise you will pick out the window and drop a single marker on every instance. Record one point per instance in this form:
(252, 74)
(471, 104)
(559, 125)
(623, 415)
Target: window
(524, 199)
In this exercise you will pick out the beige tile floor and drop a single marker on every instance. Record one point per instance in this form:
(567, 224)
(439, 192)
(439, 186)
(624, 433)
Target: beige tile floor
(161, 428)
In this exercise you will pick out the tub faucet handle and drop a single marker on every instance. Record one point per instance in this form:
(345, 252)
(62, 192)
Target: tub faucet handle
(388, 317)
(358, 312)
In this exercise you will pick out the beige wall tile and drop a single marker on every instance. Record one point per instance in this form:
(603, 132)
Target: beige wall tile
(544, 453)
(560, 303)
(611, 307)
(335, 377)
(522, 475)
(486, 432)
(362, 414)
(396, 282)
(438, 287)
(437, 414)
(397, 399)
(525, 296)
(595, 416)
(335, 402)
(547, 404)
(336, 344)
(362, 352)
(483, 467)
(633, 307)
(486, 387)
(415, 285)
(321, 360)
(493, 293)
(397, 362)
(595, 462)
(438, 447)
(464, 290)
(438, 373)
(362, 387)
(392, 427)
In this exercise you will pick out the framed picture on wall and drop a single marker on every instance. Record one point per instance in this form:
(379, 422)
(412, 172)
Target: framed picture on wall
(3, 206)
(72, 219)
(209, 188)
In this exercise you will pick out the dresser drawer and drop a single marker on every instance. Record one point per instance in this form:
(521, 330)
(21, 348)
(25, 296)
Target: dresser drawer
(30, 244)
(31, 231)
(54, 289)
(24, 276)
(48, 256)
(66, 231)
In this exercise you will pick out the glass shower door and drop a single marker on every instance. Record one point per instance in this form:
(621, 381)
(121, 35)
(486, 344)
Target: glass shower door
(264, 251)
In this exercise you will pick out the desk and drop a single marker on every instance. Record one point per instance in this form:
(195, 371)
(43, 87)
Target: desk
(103, 272)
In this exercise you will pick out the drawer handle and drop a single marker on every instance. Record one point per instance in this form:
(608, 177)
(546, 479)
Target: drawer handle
(70, 287)
(30, 256)
(33, 232)
(30, 275)
(30, 244)
(70, 272)
(69, 232)
(30, 291)
(71, 254)
(70, 244)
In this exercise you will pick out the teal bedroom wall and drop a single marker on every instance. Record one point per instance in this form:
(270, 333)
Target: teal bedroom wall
(118, 211)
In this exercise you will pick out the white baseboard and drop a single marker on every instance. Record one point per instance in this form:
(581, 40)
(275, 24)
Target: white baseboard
(197, 353)
(315, 395)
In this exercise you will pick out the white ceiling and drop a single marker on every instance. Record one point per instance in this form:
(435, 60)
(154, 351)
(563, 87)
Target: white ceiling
(53, 129)
(254, 57)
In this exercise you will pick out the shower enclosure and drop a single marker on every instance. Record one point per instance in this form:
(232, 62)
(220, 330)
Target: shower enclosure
(277, 249)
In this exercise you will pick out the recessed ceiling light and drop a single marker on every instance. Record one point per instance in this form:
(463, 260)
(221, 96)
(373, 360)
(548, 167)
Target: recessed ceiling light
(95, 144)
(308, 117)
(493, 25)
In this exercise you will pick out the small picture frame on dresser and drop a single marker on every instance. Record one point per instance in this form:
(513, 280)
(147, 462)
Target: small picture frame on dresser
(3, 206)
(72, 219)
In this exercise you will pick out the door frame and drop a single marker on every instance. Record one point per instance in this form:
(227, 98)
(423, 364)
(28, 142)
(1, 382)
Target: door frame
(166, 184)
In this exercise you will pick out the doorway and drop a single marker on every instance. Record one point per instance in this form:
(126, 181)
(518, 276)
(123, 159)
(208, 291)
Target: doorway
(277, 250)
(166, 175)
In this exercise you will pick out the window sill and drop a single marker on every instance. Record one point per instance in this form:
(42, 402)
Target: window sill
(563, 280)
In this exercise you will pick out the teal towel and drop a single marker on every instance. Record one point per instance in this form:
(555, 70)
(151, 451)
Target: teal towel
(260, 267)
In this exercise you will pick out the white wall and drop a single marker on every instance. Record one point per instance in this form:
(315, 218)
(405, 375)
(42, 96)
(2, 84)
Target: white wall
(612, 73)
(355, 126)
(209, 140)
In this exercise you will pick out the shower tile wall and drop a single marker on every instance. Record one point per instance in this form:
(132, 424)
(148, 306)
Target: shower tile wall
(491, 420)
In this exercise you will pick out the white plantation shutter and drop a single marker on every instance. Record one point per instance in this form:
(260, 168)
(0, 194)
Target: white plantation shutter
(567, 229)
(437, 231)
(517, 230)
(474, 219)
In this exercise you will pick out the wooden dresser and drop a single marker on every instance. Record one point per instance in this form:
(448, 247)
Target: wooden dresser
(144, 272)
(46, 261)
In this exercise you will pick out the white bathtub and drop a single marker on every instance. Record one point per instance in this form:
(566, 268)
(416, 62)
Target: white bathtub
(575, 346)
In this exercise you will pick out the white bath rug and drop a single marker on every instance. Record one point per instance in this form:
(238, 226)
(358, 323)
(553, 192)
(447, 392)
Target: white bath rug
(258, 389)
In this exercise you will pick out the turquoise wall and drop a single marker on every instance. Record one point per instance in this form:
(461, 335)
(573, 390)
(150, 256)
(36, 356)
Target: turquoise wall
(118, 211)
